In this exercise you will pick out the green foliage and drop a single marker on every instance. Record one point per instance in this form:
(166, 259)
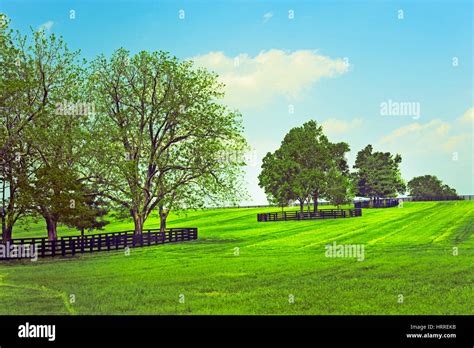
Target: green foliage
(377, 174)
(304, 167)
(59, 196)
(36, 75)
(429, 186)
(277, 178)
(340, 189)
(90, 214)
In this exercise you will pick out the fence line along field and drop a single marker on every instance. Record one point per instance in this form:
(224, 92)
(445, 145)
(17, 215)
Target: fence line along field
(418, 260)
(71, 245)
(321, 214)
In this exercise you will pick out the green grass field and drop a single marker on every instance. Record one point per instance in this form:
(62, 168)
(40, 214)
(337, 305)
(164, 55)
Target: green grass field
(408, 251)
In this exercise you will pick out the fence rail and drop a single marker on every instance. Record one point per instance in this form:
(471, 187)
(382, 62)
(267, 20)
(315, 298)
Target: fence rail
(309, 215)
(71, 245)
(378, 203)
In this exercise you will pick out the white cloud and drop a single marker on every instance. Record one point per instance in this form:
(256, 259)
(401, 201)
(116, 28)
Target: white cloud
(256, 81)
(46, 26)
(437, 147)
(267, 16)
(435, 136)
(468, 116)
(334, 126)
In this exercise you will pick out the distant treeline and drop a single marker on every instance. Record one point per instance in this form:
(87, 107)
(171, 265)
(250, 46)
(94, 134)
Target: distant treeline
(403, 199)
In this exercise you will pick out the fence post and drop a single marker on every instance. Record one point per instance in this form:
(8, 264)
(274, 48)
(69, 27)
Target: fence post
(73, 245)
(63, 247)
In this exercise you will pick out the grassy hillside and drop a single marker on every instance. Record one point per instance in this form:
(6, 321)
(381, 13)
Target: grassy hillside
(408, 251)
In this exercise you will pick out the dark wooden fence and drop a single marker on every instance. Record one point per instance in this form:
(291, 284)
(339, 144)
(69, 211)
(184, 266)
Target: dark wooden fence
(378, 203)
(71, 245)
(309, 215)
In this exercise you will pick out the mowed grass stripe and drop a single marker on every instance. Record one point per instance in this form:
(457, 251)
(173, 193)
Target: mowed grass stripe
(273, 263)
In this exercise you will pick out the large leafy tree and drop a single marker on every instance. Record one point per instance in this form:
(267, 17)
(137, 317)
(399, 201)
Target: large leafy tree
(35, 74)
(59, 136)
(14, 85)
(160, 130)
(42, 142)
(302, 167)
(429, 186)
(377, 174)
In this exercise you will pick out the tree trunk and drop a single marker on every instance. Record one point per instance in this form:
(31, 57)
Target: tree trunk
(163, 216)
(3, 225)
(138, 221)
(301, 207)
(3, 211)
(51, 225)
(6, 232)
(315, 202)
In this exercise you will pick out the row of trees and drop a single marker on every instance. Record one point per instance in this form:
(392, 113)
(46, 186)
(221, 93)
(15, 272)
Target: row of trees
(307, 167)
(150, 137)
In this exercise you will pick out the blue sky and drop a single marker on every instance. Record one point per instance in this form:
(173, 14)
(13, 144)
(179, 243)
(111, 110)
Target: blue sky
(334, 61)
